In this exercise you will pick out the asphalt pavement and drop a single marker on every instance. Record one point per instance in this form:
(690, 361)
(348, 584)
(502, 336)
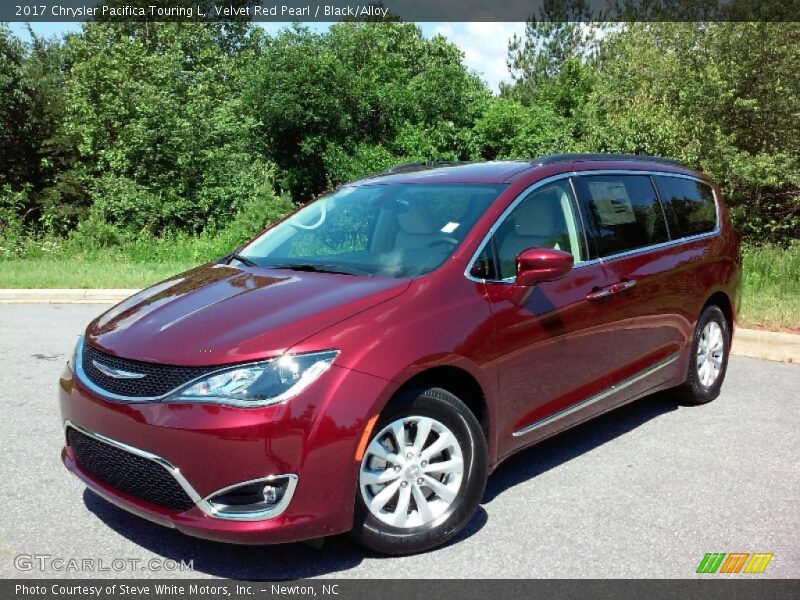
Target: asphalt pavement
(644, 491)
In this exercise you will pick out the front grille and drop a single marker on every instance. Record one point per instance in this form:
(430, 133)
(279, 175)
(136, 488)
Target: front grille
(135, 475)
(158, 379)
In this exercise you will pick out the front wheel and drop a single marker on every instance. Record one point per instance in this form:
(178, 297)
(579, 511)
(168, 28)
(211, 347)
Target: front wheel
(422, 475)
(709, 359)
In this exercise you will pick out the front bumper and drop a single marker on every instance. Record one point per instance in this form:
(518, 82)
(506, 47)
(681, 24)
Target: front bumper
(311, 439)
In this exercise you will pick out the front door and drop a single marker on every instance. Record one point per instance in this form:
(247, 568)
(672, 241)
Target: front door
(552, 352)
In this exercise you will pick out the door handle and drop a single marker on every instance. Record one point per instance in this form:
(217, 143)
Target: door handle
(615, 288)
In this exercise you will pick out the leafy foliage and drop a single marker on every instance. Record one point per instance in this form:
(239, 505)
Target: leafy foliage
(510, 130)
(15, 106)
(125, 133)
(360, 95)
(37, 159)
(160, 123)
(720, 96)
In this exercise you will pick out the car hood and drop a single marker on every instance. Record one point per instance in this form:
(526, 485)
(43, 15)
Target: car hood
(217, 314)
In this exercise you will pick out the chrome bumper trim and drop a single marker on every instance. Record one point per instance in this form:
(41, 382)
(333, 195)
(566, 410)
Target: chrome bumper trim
(203, 503)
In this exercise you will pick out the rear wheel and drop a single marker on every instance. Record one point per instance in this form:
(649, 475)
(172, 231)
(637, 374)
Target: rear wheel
(422, 475)
(709, 359)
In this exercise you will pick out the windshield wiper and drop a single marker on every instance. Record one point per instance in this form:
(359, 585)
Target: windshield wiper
(242, 259)
(311, 268)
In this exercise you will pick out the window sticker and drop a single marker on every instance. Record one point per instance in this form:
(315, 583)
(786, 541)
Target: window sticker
(612, 202)
(450, 227)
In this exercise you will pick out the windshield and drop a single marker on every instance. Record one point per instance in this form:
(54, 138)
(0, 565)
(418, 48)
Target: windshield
(390, 230)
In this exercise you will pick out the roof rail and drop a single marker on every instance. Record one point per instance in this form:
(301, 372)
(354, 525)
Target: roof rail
(557, 158)
(417, 166)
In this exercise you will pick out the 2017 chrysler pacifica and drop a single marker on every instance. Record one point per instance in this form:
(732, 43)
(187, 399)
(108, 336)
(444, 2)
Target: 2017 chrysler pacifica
(364, 364)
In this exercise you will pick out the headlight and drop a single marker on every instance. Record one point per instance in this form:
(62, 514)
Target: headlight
(259, 384)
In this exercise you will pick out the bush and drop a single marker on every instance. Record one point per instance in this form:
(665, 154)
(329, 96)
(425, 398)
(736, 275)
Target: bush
(13, 236)
(232, 185)
(344, 165)
(94, 233)
(510, 130)
(95, 237)
(256, 214)
(144, 131)
(122, 202)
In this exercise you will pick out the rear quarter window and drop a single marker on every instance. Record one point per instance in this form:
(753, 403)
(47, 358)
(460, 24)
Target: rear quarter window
(689, 205)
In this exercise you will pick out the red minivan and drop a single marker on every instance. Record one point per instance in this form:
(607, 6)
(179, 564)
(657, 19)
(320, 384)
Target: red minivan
(364, 364)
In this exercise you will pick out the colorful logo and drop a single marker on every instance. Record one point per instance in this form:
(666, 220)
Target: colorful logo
(735, 562)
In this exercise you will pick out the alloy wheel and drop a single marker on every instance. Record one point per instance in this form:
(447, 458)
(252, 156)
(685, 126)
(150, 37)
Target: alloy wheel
(710, 349)
(411, 472)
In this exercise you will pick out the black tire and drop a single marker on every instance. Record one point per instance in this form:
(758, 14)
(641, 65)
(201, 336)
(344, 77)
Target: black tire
(444, 407)
(693, 391)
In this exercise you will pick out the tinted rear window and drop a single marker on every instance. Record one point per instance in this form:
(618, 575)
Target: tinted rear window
(689, 205)
(624, 211)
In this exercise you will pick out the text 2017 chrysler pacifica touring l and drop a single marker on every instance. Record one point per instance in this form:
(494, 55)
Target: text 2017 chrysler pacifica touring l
(365, 363)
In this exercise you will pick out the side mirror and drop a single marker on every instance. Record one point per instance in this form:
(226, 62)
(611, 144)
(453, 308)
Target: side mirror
(535, 265)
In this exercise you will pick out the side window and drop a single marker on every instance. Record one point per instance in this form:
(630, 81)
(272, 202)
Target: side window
(689, 205)
(545, 219)
(484, 266)
(623, 210)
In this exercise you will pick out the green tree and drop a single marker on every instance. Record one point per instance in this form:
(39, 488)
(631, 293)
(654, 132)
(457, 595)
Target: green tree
(16, 149)
(509, 129)
(338, 104)
(36, 157)
(157, 110)
(554, 60)
(720, 96)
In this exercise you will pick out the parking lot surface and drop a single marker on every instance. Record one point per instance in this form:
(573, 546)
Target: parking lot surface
(644, 491)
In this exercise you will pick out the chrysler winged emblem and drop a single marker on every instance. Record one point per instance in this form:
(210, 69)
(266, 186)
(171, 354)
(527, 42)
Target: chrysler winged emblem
(116, 373)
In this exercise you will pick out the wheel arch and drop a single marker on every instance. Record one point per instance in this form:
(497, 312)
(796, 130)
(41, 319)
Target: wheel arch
(723, 301)
(459, 382)
(471, 387)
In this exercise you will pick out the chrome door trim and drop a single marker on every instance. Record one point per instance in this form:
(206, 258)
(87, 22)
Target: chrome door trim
(499, 221)
(598, 397)
(572, 174)
(204, 504)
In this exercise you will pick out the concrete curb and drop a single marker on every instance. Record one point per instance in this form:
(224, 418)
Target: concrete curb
(63, 296)
(766, 345)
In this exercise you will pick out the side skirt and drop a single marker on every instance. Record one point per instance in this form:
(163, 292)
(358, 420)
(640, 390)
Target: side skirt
(598, 397)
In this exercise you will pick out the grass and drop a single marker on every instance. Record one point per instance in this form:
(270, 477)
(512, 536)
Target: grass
(82, 273)
(770, 293)
(80, 262)
(771, 288)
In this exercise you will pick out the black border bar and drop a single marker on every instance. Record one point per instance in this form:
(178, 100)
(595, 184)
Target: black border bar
(729, 588)
(407, 10)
